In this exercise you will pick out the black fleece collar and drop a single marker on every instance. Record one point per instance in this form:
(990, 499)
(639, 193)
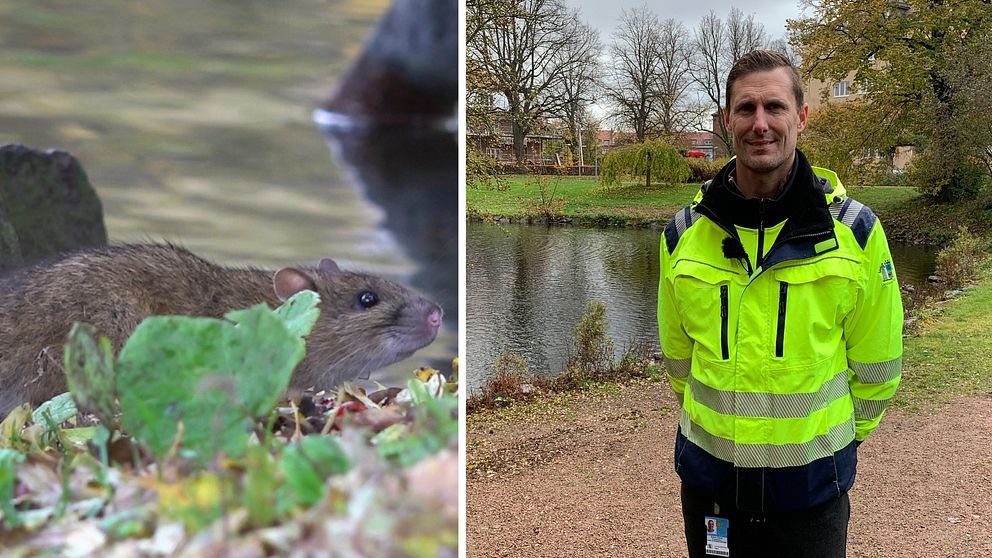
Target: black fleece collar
(801, 202)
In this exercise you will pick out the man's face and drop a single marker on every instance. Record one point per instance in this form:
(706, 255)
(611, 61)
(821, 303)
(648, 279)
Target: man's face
(764, 120)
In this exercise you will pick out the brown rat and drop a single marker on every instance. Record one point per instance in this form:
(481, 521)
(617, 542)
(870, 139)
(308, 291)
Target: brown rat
(365, 322)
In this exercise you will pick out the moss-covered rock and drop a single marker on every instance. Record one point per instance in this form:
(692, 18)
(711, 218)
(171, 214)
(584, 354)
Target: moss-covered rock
(47, 205)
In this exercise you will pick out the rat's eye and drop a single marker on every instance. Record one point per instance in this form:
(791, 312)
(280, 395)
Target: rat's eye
(368, 299)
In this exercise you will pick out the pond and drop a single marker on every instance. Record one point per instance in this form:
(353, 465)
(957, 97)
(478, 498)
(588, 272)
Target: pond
(193, 122)
(527, 287)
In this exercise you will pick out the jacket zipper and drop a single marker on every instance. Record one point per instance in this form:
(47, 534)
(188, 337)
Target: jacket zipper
(761, 233)
(724, 315)
(783, 293)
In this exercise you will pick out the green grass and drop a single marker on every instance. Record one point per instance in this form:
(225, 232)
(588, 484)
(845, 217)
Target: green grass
(585, 200)
(949, 357)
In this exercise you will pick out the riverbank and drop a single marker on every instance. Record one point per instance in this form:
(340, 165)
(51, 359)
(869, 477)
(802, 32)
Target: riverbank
(588, 473)
(582, 201)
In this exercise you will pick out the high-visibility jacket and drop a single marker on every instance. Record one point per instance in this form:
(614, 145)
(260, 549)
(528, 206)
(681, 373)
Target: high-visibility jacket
(781, 326)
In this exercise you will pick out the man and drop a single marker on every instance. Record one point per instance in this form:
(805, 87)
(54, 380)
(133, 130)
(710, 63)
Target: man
(780, 320)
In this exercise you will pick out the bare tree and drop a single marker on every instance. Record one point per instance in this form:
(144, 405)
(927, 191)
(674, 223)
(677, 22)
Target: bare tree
(676, 113)
(717, 45)
(579, 62)
(632, 84)
(782, 46)
(518, 47)
(744, 34)
(709, 67)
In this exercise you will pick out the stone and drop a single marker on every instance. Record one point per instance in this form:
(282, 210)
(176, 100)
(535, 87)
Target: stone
(952, 294)
(935, 279)
(47, 206)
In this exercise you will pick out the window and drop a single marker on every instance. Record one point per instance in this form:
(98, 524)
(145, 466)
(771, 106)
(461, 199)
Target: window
(841, 89)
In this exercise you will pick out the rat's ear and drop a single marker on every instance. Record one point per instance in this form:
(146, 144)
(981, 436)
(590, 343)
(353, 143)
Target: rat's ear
(329, 266)
(289, 281)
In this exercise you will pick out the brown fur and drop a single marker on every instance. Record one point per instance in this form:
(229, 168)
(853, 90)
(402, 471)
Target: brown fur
(115, 288)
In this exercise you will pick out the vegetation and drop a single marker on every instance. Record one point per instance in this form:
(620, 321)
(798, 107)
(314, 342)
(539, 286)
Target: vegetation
(584, 201)
(652, 157)
(924, 72)
(591, 362)
(196, 456)
(534, 67)
(948, 353)
(959, 261)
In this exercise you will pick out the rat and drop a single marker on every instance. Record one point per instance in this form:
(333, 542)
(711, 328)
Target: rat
(365, 322)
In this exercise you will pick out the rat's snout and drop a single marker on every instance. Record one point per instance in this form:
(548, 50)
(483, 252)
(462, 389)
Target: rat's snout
(434, 318)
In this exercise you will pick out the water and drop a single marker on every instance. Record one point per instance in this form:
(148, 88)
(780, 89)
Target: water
(527, 287)
(193, 122)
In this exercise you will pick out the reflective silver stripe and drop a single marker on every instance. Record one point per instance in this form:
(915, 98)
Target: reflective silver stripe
(852, 212)
(869, 408)
(768, 455)
(876, 372)
(835, 209)
(678, 367)
(775, 405)
(680, 224)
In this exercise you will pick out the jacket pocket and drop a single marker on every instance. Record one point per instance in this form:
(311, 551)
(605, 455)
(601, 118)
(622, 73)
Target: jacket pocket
(724, 321)
(783, 296)
(811, 303)
(704, 299)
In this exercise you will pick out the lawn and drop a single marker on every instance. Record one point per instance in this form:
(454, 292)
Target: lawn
(582, 200)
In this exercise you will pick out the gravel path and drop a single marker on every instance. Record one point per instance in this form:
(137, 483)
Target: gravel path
(590, 475)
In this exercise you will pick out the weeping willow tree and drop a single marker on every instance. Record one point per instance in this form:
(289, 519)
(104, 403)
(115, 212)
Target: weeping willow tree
(649, 159)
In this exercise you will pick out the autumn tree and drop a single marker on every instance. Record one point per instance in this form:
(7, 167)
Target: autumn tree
(517, 48)
(923, 66)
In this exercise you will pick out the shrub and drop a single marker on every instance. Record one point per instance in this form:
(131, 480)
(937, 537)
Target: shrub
(705, 169)
(548, 203)
(958, 261)
(590, 354)
(512, 374)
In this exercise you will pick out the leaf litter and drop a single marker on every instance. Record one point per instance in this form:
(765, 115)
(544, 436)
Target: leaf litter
(198, 460)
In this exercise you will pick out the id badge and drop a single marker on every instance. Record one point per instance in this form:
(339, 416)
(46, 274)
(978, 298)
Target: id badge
(716, 536)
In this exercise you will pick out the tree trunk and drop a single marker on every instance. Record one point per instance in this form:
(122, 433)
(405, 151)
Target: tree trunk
(519, 145)
(647, 180)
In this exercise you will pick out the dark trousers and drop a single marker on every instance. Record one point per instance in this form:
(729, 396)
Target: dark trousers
(819, 532)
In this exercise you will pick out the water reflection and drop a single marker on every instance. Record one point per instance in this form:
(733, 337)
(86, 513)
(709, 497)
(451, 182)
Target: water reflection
(192, 120)
(527, 287)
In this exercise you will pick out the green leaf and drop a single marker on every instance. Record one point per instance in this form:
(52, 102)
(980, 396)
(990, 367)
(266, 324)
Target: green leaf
(300, 312)
(8, 475)
(260, 487)
(89, 368)
(263, 354)
(309, 463)
(210, 375)
(55, 411)
(435, 424)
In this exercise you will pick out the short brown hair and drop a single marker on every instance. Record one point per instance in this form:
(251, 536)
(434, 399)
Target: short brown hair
(763, 61)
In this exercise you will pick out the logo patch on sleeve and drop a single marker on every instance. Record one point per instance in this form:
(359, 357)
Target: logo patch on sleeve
(887, 271)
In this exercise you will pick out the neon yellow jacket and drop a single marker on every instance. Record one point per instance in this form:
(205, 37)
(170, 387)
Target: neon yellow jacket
(781, 326)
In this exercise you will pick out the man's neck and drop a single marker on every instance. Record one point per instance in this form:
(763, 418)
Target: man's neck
(763, 184)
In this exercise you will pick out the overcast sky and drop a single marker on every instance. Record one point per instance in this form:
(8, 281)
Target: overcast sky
(604, 14)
